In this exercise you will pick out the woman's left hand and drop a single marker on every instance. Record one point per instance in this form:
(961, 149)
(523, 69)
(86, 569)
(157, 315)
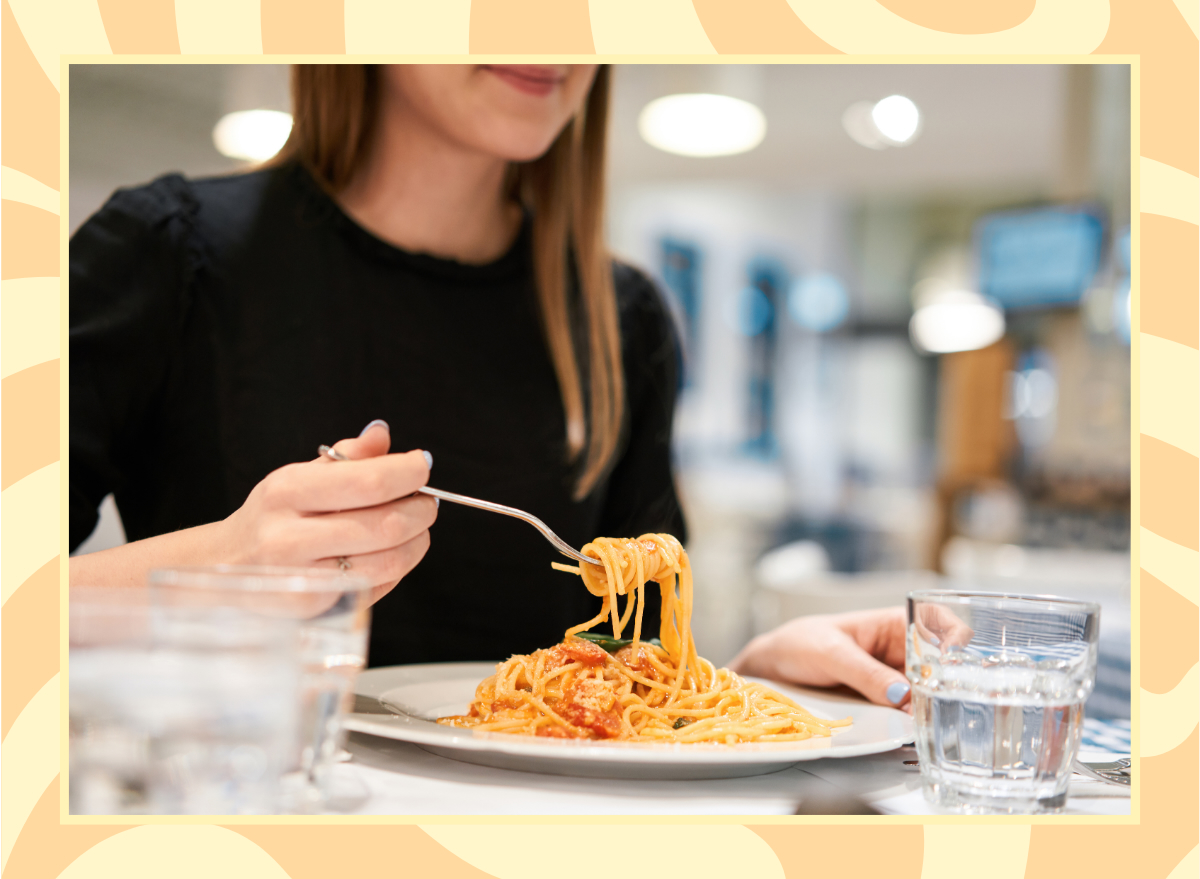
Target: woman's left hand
(862, 649)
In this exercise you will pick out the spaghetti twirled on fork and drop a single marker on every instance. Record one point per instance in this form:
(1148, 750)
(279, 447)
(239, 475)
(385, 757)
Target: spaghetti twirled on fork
(600, 687)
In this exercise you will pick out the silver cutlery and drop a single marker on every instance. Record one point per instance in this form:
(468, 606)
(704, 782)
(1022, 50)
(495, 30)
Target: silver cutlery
(1113, 773)
(559, 544)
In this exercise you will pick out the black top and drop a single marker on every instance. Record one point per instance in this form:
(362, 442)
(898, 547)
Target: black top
(223, 328)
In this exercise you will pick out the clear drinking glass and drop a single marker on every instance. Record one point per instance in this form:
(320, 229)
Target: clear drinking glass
(998, 686)
(332, 613)
(187, 715)
(109, 750)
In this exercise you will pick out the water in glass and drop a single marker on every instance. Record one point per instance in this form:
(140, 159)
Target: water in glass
(999, 684)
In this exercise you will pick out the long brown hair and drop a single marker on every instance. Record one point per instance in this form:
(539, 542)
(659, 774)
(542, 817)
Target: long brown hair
(335, 107)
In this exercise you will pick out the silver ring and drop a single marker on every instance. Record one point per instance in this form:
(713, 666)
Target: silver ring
(331, 453)
(343, 563)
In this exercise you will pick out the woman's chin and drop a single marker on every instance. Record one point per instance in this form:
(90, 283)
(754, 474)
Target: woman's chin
(517, 142)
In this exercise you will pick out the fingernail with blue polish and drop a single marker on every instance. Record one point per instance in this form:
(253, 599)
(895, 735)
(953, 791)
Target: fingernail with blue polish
(935, 640)
(437, 503)
(897, 691)
(428, 459)
(378, 422)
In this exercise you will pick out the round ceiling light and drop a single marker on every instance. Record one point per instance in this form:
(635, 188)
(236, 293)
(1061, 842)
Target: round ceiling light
(861, 127)
(253, 135)
(956, 320)
(895, 121)
(702, 125)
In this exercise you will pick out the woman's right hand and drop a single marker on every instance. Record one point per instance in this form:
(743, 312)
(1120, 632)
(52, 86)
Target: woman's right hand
(312, 514)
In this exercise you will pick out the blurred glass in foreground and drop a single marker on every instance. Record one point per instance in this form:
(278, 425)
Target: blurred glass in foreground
(216, 691)
(330, 615)
(184, 714)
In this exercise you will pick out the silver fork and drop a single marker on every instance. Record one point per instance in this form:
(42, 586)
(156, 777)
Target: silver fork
(559, 544)
(1113, 773)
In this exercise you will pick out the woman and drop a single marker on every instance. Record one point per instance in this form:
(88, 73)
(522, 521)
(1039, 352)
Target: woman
(424, 257)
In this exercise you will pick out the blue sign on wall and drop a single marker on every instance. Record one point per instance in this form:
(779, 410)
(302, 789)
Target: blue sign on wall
(1039, 257)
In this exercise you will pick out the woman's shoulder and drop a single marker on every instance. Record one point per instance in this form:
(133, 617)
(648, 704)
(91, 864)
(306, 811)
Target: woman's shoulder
(639, 297)
(174, 201)
(633, 286)
(650, 330)
(137, 215)
(149, 247)
(173, 194)
(645, 311)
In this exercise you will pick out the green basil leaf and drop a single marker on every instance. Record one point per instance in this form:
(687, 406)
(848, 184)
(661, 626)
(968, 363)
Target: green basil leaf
(611, 644)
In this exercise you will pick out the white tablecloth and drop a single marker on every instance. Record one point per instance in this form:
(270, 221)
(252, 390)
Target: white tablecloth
(398, 778)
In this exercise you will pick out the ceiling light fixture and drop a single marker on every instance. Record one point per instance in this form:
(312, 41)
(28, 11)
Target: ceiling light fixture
(892, 122)
(897, 119)
(955, 320)
(702, 125)
(252, 135)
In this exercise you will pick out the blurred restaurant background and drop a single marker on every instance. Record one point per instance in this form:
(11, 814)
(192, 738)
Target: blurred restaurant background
(904, 296)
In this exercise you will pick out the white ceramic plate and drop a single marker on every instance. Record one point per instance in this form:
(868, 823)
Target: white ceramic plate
(402, 702)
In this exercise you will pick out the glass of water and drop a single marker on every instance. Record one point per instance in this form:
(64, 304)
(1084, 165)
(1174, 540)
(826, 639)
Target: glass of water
(998, 687)
(332, 612)
(188, 714)
(109, 744)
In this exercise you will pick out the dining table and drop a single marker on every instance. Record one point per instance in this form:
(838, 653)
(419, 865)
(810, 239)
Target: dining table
(385, 776)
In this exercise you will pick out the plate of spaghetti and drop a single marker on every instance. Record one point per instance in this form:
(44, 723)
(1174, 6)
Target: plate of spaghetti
(618, 704)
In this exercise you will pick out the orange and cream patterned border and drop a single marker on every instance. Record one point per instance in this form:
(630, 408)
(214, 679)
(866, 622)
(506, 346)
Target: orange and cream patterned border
(1158, 36)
